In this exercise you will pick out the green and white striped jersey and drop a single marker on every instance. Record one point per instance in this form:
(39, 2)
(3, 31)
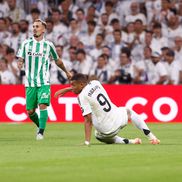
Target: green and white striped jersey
(37, 57)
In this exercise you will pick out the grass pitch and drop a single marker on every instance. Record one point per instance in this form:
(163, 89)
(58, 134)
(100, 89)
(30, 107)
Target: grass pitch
(61, 157)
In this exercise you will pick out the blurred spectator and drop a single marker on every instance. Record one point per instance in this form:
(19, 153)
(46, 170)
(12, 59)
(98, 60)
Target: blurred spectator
(106, 27)
(115, 25)
(80, 17)
(100, 69)
(158, 40)
(59, 28)
(57, 75)
(144, 68)
(178, 48)
(3, 50)
(12, 63)
(50, 35)
(160, 72)
(153, 8)
(34, 14)
(6, 75)
(85, 62)
(88, 38)
(130, 33)
(3, 31)
(135, 14)
(72, 58)
(97, 50)
(109, 10)
(4, 8)
(173, 68)
(91, 14)
(117, 45)
(112, 64)
(174, 28)
(123, 74)
(67, 8)
(24, 25)
(15, 12)
(15, 38)
(73, 29)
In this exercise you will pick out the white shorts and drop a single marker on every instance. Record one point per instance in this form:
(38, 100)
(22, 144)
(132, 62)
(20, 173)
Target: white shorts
(121, 122)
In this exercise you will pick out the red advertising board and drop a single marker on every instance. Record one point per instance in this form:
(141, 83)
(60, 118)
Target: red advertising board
(153, 103)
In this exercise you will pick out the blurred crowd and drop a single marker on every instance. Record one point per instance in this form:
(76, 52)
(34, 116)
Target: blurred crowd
(115, 41)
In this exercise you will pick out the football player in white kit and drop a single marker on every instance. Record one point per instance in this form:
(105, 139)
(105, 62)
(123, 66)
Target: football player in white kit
(106, 117)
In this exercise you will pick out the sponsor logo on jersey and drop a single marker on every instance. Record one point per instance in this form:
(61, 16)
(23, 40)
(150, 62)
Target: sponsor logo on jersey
(36, 54)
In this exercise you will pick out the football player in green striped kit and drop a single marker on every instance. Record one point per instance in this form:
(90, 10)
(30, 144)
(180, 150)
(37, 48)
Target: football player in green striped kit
(35, 54)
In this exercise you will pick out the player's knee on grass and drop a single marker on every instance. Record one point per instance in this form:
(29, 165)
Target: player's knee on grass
(106, 140)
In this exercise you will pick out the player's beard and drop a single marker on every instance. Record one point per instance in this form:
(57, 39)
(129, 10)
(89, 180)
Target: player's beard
(37, 35)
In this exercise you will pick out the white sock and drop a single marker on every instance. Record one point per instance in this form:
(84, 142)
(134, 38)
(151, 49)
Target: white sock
(140, 124)
(151, 136)
(131, 141)
(119, 140)
(138, 121)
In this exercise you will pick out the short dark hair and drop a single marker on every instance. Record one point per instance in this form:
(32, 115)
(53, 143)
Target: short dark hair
(35, 10)
(10, 50)
(91, 22)
(157, 25)
(80, 9)
(56, 10)
(170, 53)
(114, 20)
(80, 77)
(49, 20)
(81, 51)
(127, 51)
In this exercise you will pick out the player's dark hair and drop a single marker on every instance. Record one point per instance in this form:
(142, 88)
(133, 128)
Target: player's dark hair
(80, 77)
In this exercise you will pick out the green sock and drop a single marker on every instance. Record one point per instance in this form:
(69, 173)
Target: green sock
(34, 117)
(43, 119)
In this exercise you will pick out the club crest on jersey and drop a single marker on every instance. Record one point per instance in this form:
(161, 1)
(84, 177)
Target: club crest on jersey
(44, 96)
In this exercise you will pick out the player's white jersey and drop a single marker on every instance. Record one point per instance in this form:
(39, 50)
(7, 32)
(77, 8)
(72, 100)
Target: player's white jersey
(106, 116)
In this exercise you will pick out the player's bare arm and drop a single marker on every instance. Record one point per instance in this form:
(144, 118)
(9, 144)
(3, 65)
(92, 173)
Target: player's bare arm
(20, 63)
(88, 128)
(60, 64)
(63, 91)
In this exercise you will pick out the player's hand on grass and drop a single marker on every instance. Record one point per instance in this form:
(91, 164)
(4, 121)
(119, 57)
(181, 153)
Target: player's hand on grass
(87, 143)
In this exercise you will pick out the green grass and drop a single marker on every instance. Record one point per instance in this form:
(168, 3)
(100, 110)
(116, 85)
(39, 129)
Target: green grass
(61, 157)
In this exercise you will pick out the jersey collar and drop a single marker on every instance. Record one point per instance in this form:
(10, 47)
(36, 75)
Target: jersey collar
(43, 39)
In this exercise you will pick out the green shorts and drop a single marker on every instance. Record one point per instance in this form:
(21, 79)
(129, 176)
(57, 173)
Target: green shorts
(37, 95)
